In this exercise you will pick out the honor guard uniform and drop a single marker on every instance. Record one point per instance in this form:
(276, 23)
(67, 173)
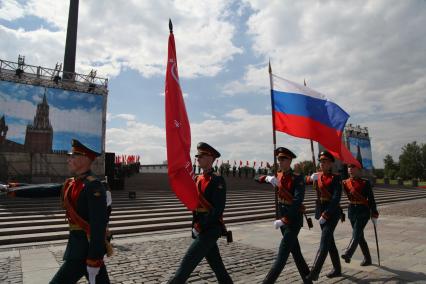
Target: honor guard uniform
(208, 223)
(362, 206)
(84, 200)
(291, 193)
(328, 212)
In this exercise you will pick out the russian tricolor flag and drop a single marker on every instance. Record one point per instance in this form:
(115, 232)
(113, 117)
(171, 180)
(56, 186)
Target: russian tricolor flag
(303, 112)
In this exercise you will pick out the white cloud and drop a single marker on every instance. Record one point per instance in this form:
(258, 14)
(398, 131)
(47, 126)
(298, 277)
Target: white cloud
(126, 116)
(246, 137)
(11, 10)
(208, 115)
(126, 34)
(367, 56)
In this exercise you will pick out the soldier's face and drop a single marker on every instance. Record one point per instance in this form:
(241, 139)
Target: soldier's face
(78, 164)
(205, 161)
(325, 164)
(353, 171)
(284, 163)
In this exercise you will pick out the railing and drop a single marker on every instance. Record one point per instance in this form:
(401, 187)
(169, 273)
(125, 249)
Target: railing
(37, 75)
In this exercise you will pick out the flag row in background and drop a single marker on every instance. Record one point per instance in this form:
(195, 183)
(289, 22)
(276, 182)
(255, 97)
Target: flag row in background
(127, 159)
(240, 163)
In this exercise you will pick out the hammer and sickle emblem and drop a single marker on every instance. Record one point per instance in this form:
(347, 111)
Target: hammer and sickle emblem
(177, 123)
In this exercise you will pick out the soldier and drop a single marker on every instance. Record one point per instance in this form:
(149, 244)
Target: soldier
(208, 224)
(291, 193)
(234, 170)
(362, 206)
(328, 212)
(84, 199)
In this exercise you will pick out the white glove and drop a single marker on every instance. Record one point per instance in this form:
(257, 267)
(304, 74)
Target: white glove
(278, 224)
(108, 198)
(92, 271)
(374, 220)
(322, 220)
(272, 180)
(195, 232)
(314, 177)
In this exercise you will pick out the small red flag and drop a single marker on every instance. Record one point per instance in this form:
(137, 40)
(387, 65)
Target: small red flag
(178, 135)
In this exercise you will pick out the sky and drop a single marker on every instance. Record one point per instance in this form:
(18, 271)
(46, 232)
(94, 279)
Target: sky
(367, 56)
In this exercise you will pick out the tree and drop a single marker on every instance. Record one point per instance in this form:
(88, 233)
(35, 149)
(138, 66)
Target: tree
(379, 173)
(424, 160)
(304, 167)
(391, 168)
(410, 161)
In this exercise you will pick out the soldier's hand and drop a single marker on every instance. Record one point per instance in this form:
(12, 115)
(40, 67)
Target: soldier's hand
(92, 271)
(314, 177)
(322, 220)
(4, 188)
(272, 180)
(278, 224)
(195, 232)
(374, 220)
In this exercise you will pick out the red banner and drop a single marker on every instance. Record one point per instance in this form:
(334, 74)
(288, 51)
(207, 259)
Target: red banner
(178, 135)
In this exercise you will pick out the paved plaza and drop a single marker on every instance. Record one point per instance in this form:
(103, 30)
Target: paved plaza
(153, 258)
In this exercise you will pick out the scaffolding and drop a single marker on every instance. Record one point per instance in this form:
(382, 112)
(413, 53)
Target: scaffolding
(19, 72)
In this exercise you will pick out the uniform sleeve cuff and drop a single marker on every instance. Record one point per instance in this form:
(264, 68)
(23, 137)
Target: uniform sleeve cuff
(94, 262)
(285, 220)
(325, 216)
(375, 215)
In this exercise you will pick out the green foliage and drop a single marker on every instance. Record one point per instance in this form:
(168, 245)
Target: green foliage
(379, 173)
(411, 164)
(410, 161)
(391, 168)
(304, 167)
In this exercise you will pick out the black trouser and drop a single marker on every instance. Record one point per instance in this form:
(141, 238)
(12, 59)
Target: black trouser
(72, 270)
(359, 217)
(327, 245)
(289, 244)
(203, 246)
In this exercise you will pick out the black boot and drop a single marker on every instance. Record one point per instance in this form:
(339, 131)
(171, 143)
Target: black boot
(337, 268)
(366, 252)
(349, 251)
(271, 277)
(316, 268)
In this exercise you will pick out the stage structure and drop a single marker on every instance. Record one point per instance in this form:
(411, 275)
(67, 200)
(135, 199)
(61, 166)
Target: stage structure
(41, 110)
(357, 140)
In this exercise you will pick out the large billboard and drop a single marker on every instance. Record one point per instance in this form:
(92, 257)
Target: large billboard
(361, 149)
(44, 119)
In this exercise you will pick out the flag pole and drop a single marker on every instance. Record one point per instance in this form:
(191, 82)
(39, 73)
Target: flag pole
(274, 137)
(312, 142)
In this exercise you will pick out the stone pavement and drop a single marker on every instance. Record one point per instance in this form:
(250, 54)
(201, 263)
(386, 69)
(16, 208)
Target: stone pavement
(153, 258)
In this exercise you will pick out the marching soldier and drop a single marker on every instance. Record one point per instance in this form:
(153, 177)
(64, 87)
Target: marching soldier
(362, 206)
(208, 224)
(291, 193)
(234, 170)
(85, 201)
(328, 212)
